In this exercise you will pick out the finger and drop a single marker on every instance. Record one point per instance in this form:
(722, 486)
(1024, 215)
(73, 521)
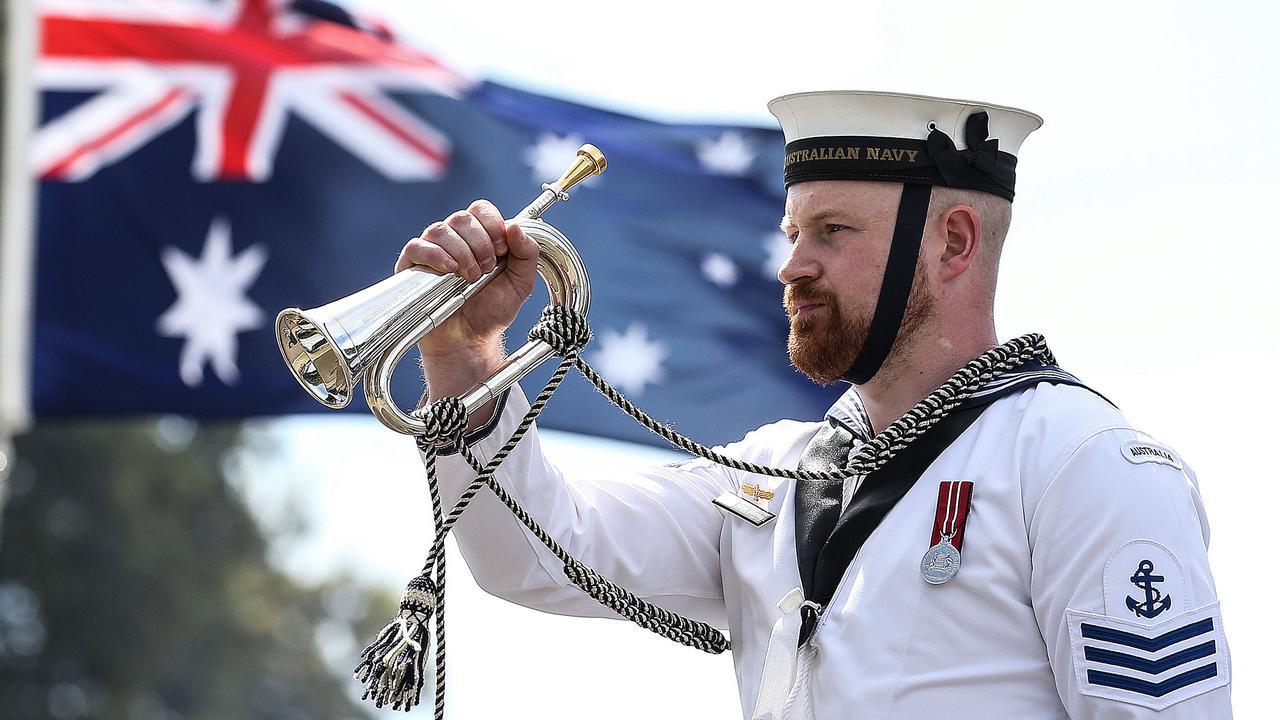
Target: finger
(522, 260)
(522, 246)
(419, 252)
(444, 236)
(491, 218)
(468, 227)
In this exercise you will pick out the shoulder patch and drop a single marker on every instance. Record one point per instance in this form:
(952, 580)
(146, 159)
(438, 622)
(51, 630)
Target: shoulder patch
(1146, 451)
(1143, 581)
(1154, 666)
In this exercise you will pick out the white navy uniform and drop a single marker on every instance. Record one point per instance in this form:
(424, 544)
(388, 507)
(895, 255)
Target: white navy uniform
(1070, 504)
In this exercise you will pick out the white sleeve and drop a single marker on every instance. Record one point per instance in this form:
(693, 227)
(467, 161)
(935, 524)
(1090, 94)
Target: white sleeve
(1121, 585)
(652, 530)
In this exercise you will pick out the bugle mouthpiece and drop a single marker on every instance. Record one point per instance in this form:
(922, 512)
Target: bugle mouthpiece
(589, 161)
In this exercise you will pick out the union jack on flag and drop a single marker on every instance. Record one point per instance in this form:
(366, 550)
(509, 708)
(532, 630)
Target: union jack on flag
(204, 164)
(241, 66)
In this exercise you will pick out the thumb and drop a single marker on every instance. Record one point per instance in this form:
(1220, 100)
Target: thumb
(522, 256)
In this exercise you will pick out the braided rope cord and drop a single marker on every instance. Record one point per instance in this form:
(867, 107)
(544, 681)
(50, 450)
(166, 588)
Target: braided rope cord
(566, 331)
(435, 559)
(437, 521)
(876, 452)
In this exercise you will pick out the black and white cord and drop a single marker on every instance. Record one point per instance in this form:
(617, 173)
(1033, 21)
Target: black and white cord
(392, 667)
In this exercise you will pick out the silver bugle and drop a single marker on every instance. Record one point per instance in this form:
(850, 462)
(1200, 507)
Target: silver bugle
(329, 348)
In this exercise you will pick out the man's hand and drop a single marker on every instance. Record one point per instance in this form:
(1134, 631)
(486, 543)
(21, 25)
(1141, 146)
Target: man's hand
(468, 346)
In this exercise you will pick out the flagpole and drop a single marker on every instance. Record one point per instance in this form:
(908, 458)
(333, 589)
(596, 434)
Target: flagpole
(17, 244)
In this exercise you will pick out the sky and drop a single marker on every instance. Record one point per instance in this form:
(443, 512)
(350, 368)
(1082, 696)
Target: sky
(1143, 246)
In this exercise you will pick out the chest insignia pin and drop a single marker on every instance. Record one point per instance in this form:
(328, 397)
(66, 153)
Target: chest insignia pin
(757, 494)
(755, 511)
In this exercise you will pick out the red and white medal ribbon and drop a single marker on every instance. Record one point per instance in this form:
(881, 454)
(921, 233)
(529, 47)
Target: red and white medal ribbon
(942, 561)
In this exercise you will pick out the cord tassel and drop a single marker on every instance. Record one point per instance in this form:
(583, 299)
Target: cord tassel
(391, 668)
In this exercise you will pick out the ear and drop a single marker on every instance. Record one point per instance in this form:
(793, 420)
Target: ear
(962, 229)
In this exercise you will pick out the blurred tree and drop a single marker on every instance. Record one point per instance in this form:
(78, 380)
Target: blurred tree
(134, 584)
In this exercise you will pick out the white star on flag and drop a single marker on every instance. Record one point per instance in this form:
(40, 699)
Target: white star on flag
(777, 249)
(630, 361)
(211, 306)
(551, 154)
(720, 269)
(730, 154)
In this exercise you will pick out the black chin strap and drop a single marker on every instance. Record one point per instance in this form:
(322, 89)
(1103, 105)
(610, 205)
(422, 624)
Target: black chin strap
(895, 288)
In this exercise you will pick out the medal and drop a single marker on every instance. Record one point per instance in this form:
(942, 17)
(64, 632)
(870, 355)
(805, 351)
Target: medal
(942, 561)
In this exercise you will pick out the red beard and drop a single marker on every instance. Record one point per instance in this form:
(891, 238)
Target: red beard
(824, 343)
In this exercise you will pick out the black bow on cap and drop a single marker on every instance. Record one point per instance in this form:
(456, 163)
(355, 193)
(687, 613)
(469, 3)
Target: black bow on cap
(981, 152)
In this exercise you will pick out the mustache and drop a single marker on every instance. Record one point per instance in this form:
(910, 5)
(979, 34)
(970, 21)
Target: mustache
(793, 295)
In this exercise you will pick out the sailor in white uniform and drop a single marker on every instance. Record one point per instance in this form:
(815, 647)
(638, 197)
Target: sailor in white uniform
(1031, 556)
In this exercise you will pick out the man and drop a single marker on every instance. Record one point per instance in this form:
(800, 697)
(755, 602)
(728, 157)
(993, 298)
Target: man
(1031, 555)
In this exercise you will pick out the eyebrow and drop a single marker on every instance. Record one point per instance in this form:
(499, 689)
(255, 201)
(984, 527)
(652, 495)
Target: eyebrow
(787, 221)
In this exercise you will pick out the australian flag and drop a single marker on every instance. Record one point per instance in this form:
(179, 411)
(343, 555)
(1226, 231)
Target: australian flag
(204, 164)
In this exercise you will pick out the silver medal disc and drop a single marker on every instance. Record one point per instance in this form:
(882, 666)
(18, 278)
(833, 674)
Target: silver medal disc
(940, 563)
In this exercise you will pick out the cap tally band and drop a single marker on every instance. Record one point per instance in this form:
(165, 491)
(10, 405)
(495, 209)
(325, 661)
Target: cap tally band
(933, 161)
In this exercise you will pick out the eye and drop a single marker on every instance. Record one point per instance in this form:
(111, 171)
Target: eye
(791, 236)
(832, 228)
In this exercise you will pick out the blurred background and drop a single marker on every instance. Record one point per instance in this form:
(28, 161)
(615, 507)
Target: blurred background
(185, 534)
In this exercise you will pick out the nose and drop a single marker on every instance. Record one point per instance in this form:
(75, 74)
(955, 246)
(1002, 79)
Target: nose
(799, 266)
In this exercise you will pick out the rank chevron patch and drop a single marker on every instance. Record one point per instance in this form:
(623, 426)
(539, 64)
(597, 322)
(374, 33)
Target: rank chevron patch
(1150, 665)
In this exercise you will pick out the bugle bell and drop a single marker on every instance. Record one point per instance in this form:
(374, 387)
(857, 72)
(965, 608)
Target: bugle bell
(330, 348)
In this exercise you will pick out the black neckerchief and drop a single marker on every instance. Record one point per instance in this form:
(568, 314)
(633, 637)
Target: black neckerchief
(826, 538)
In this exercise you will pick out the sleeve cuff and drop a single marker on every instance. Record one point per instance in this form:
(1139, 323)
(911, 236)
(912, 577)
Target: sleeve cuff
(481, 433)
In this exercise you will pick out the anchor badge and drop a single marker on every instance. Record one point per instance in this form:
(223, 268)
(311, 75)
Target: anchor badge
(1156, 602)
